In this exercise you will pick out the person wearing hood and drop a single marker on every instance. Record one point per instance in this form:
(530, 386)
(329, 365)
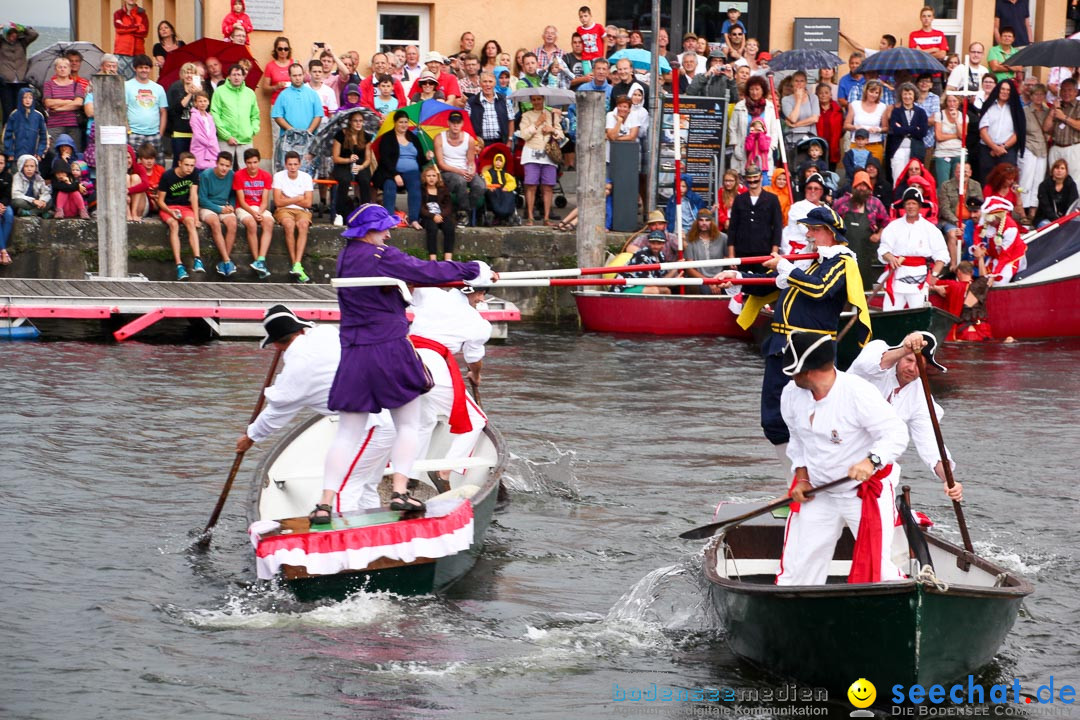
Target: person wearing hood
(14, 39)
(30, 194)
(915, 173)
(25, 132)
(882, 189)
(1002, 128)
(69, 199)
(7, 213)
(237, 16)
(352, 98)
(236, 113)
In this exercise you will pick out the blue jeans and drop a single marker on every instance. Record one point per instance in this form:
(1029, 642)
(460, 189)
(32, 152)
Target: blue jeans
(412, 189)
(7, 221)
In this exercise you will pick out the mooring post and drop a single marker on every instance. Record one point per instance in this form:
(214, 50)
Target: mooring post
(591, 140)
(110, 116)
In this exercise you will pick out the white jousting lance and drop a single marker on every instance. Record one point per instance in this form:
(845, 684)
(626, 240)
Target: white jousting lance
(561, 282)
(675, 265)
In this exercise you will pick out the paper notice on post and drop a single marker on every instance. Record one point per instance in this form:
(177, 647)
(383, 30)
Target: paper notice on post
(112, 134)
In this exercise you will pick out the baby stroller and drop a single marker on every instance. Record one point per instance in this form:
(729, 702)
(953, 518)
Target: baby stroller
(500, 205)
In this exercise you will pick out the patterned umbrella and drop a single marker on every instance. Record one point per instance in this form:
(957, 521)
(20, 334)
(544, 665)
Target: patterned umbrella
(1050, 53)
(895, 59)
(323, 142)
(198, 51)
(804, 59)
(430, 117)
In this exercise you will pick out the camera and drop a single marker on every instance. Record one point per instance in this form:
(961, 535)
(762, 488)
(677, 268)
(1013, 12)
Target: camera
(319, 44)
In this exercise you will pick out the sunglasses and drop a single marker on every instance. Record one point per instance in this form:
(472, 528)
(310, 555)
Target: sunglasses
(735, 34)
(283, 49)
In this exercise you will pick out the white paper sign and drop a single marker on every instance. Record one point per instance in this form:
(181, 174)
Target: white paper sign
(112, 134)
(266, 14)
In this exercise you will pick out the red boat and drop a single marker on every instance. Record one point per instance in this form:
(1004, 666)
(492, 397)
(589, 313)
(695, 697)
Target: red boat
(640, 314)
(1042, 301)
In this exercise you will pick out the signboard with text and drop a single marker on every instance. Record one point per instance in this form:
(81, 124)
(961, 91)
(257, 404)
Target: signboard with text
(266, 14)
(817, 34)
(703, 121)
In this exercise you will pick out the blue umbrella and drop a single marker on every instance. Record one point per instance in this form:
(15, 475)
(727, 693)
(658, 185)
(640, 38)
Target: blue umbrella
(640, 58)
(805, 59)
(895, 59)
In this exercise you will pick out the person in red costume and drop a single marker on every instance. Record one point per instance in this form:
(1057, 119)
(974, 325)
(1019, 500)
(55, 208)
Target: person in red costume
(1001, 250)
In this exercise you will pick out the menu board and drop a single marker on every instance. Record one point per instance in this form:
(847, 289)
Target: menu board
(704, 127)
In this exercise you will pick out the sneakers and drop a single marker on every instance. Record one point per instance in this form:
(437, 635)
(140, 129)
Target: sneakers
(181, 272)
(230, 268)
(462, 219)
(197, 266)
(221, 268)
(298, 272)
(339, 221)
(259, 266)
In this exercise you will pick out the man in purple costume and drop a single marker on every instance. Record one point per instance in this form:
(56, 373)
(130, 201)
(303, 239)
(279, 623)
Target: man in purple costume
(379, 367)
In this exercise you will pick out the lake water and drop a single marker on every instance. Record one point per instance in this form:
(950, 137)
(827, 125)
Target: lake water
(112, 454)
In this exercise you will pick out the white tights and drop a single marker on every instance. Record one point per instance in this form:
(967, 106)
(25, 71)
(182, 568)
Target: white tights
(352, 429)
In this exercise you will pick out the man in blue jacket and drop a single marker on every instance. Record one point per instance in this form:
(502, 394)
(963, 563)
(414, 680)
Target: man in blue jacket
(25, 133)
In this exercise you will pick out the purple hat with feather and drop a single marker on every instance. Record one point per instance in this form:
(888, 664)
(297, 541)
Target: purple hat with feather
(369, 218)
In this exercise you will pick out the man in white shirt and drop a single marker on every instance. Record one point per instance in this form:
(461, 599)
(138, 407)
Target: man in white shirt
(894, 371)
(967, 77)
(311, 354)
(445, 323)
(840, 426)
(908, 244)
(293, 190)
(325, 92)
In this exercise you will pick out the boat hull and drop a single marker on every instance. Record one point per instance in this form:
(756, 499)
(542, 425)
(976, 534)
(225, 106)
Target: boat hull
(1035, 310)
(640, 314)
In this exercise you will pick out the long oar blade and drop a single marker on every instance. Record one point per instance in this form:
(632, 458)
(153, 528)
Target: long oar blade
(707, 531)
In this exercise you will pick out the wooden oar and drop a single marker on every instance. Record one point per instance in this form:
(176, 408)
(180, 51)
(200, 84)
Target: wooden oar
(707, 531)
(204, 539)
(962, 563)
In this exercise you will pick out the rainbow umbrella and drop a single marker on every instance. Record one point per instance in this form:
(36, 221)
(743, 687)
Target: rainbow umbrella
(427, 120)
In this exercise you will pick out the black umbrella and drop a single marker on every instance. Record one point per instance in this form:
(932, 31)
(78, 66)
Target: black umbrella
(324, 137)
(803, 59)
(1049, 53)
(896, 59)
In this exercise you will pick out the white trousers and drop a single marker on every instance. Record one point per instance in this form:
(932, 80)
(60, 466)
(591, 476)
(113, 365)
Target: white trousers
(1032, 173)
(438, 401)
(811, 535)
(355, 462)
(905, 295)
(899, 163)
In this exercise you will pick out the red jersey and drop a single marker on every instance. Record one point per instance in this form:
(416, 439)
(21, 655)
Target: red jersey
(252, 187)
(593, 39)
(928, 40)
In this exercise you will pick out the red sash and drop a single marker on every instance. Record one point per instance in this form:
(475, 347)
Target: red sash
(866, 559)
(459, 411)
(908, 261)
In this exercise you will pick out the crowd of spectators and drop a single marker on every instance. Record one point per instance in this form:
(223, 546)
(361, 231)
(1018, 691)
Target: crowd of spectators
(897, 131)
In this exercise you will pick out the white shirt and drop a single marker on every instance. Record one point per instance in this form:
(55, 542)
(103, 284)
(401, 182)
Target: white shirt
(311, 362)
(328, 98)
(961, 79)
(997, 118)
(702, 61)
(293, 188)
(908, 401)
(920, 238)
(447, 318)
(840, 430)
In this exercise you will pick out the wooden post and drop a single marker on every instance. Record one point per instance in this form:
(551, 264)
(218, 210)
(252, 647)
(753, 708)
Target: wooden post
(591, 141)
(110, 117)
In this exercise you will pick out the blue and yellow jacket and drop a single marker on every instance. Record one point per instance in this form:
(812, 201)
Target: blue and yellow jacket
(812, 300)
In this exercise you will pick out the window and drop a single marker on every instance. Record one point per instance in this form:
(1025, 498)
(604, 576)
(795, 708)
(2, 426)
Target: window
(403, 25)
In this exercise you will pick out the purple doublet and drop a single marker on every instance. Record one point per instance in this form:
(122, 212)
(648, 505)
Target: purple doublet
(379, 367)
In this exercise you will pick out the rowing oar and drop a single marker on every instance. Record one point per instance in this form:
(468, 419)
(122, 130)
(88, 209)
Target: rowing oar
(676, 265)
(204, 539)
(707, 531)
(961, 562)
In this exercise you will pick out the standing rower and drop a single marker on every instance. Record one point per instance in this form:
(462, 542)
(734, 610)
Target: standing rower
(311, 353)
(445, 323)
(893, 371)
(840, 426)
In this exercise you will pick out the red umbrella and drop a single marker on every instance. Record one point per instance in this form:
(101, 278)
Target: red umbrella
(199, 50)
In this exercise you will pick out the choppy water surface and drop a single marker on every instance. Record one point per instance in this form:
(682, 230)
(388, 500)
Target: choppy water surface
(112, 454)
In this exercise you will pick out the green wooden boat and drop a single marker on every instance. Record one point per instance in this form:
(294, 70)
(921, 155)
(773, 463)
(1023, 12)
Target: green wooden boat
(915, 631)
(288, 482)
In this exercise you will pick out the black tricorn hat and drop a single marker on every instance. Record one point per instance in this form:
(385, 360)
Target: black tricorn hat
(280, 322)
(807, 351)
(927, 351)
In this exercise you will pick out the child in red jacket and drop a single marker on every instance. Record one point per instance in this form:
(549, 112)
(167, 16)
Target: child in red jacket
(234, 18)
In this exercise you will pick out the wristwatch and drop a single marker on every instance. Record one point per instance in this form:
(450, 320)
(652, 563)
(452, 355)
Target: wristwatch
(875, 459)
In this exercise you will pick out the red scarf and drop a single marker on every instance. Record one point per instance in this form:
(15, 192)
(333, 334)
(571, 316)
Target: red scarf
(866, 559)
(908, 261)
(459, 411)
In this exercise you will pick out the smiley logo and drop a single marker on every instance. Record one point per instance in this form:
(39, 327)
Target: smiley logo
(862, 693)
